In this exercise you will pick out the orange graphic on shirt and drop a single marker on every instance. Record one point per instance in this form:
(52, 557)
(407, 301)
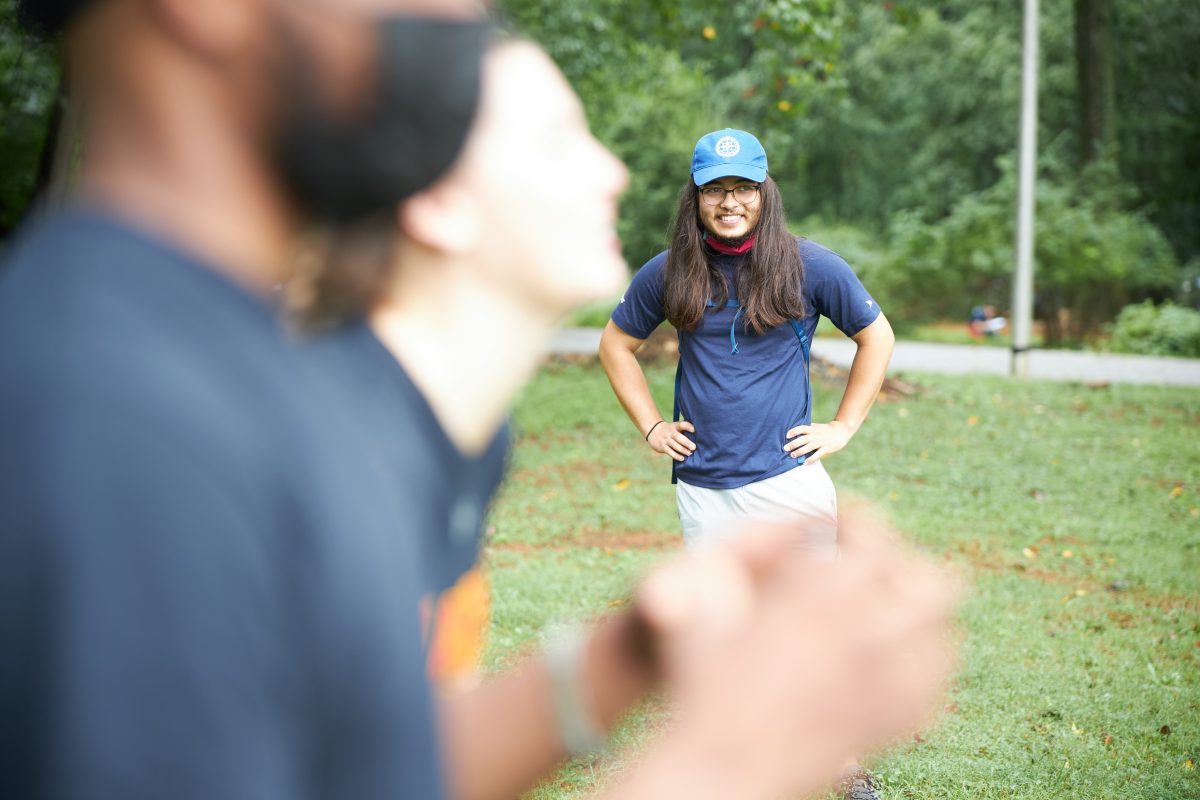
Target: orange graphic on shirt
(460, 617)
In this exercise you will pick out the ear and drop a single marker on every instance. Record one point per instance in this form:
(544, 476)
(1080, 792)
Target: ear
(212, 28)
(443, 218)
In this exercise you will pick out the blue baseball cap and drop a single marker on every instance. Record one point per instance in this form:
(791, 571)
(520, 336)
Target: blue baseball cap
(726, 153)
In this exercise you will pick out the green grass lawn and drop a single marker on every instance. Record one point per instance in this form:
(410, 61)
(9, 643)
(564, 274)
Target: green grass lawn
(1073, 512)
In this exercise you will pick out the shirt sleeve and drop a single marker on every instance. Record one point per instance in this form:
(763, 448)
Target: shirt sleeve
(641, 308)
(834, 291)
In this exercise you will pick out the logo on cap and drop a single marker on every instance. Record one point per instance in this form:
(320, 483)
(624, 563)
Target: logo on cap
(727, 147)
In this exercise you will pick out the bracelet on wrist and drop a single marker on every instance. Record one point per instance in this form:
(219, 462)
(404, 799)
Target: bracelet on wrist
(581, 734)
(652, 427)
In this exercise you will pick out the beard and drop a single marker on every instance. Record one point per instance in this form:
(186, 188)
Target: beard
(736, 241)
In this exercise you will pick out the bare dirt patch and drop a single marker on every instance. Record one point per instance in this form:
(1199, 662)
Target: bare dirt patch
(595, 539)
(566, 474)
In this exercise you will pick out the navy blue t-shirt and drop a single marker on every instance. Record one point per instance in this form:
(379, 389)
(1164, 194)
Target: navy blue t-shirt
(741, 391)
(203, 592)
(449, 491)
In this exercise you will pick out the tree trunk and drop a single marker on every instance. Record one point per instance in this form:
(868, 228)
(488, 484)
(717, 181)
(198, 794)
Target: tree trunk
(1094, 78)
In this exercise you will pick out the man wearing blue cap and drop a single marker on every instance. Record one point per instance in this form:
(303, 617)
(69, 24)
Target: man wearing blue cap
(745, 296)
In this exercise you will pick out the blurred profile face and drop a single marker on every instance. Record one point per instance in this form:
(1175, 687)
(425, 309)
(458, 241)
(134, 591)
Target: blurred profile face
(545, 190)
(729, 218)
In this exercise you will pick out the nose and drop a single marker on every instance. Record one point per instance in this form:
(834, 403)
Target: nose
(728, 201)
(615, 175)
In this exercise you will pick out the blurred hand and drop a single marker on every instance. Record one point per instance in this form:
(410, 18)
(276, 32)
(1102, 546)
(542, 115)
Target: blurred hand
(667, 437)
(782, 665)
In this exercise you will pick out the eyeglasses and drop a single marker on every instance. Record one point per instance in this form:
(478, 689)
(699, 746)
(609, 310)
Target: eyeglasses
(745, 194)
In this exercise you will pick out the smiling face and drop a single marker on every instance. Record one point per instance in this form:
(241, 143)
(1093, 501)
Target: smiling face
(730, 218)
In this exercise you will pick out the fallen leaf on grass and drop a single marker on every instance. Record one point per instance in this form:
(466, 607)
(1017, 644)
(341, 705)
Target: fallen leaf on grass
(1067, 554)
(1177, 490)
(1189, 763)
(1037, 494)
(622, 484)
(1165, 730)
(1105, 738)
(972, 420)
(1030, 552)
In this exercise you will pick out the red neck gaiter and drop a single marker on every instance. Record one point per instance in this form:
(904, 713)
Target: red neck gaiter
(728, 249)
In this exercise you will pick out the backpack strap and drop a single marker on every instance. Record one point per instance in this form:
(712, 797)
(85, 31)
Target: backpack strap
(803, 337)
(678, 381)
(804, 349)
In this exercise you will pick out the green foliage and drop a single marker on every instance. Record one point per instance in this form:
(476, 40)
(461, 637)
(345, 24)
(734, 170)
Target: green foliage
(1091, 257)
(653, 133)
(592, 315)
(1078, 625)
(28, 89)
(930, 102)
(656, 76)
(1189, 284)
(1158, 102)
(1166, 330)
(884, 116)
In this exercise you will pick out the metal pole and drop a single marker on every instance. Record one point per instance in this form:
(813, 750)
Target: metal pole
(1023, 277)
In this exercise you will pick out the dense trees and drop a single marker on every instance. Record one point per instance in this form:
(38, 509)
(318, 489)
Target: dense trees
(28, 94)
(893, 119)
(900, 118)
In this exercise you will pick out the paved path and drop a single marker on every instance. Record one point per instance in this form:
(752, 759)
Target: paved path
(960, 359)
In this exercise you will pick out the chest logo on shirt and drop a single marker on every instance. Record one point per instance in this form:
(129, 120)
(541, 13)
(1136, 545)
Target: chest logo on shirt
(870, 303)
(727, 146)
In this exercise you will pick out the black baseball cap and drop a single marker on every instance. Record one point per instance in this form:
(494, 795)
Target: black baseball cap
(48, 17)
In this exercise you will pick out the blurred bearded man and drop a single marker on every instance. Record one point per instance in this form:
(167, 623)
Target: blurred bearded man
(201, 589)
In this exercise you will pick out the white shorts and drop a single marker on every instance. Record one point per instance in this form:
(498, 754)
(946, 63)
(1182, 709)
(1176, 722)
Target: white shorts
(803, 494)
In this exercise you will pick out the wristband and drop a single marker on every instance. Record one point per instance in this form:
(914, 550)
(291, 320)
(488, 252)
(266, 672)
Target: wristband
(652, 427)
(581, 736)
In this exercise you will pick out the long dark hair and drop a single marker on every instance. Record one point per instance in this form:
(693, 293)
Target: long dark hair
(769, 282)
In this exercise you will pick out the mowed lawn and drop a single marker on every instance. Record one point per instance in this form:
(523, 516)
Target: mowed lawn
(1074, 513)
